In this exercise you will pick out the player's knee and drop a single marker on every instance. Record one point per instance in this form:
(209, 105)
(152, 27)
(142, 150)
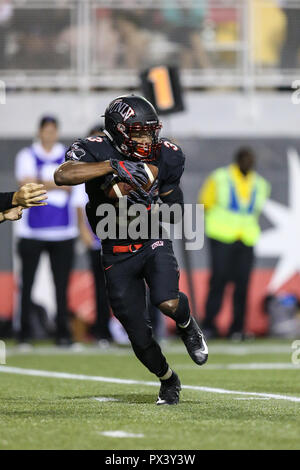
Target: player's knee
(169, 307)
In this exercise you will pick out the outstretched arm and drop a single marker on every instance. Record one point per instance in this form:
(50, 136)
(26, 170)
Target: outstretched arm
(71, 172)
(74, 172)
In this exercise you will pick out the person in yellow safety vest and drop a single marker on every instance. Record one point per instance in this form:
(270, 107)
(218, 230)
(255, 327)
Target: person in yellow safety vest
(233, 199)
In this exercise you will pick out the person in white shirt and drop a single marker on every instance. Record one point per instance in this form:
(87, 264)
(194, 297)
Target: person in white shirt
(52, 228)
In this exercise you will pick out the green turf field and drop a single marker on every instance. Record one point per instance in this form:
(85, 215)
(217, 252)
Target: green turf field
(51, 411)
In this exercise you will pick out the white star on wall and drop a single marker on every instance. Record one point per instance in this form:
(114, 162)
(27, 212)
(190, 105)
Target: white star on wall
(283, 240)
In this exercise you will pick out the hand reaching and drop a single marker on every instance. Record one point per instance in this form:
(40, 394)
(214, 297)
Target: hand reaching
(13, 214)
(30, 195)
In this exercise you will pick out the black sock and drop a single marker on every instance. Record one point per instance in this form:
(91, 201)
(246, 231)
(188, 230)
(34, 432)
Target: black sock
(171, 379)
(182, 314)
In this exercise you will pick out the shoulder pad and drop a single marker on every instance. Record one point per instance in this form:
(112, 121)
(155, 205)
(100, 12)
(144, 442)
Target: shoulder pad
(169, 146)
(99, 147)
(75, 152)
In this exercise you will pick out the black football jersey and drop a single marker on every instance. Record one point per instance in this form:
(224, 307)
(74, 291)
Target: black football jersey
(98, 149)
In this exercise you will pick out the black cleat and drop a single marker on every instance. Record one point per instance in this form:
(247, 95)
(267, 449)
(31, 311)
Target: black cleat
(194, 341)
(169, 392)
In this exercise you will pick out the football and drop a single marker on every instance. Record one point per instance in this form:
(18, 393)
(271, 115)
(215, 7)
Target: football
(117, 189)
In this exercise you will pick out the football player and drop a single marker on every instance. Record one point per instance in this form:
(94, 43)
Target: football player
(132, 138)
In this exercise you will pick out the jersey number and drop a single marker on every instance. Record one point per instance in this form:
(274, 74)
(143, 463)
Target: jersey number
(169, 145)
(95, 139)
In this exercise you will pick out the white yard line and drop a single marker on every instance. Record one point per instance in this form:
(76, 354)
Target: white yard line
(65, 375)
(248, 366)
(66, 351)
(105, 399)
(252, 398)
(119, 434)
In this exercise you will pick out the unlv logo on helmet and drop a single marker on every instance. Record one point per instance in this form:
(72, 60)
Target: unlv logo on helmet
(132, 124)
(119, 106)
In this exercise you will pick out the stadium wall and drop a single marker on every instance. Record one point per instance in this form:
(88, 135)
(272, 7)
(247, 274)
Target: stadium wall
(207, 113)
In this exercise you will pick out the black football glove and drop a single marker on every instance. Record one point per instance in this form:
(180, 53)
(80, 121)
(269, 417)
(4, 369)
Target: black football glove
(146, 199)
(132, 173)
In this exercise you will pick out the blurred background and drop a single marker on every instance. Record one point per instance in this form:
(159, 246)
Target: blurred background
(236, 64)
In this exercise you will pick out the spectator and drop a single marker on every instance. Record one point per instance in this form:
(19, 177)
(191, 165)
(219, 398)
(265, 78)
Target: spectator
(52, 228)
(269, 29)
(184, 27)
(38, 38)
(106, 37)
(233, 198)
(133, 39)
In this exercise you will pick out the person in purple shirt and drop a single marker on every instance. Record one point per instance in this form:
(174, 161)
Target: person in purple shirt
(52, 229)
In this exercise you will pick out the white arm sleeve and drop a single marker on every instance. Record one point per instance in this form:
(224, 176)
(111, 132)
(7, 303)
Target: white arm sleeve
(25, 165)
(79, 196)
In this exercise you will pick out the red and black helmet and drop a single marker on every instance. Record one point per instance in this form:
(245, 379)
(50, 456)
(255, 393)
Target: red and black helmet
(128, 114)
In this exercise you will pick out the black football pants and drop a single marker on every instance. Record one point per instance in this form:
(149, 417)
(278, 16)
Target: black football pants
(126, 275)
(230, 262)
